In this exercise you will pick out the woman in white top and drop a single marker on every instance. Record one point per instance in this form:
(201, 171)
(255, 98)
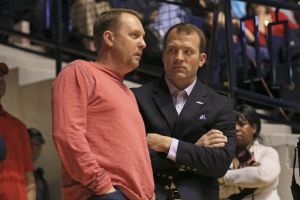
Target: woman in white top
(255, 171)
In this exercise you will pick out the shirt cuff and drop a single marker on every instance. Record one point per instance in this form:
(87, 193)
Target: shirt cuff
(173, 149)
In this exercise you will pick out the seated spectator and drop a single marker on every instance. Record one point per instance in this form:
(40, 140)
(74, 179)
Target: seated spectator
(147, 9)
(254, 173)
(168, 15)
(17, 15)
(238, 9)
(37, 141)
(265, 16)
(297, 13)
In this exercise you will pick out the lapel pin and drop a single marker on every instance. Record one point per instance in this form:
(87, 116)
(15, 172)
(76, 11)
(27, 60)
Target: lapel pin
(199, 102)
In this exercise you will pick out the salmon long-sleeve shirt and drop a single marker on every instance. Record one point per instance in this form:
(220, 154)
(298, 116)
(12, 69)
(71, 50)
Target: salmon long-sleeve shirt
(99, 134)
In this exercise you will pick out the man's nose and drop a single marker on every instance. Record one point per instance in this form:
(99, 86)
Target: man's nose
(142, 43)
(179, 55)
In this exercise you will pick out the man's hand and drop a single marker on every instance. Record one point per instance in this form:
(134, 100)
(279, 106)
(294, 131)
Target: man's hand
(158, 142)
(213, 138)
(30, 185)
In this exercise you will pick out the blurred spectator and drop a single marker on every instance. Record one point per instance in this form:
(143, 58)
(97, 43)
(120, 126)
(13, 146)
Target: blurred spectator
(214, 28)
(37, 141)
(41, 18)
(16, 14)
(84, 22)
(255, 171)
(147, 9)
(168, 15)
(297, 13)
(238, 9)
(290, 13)
(16, 171)
(265, 16)
(209, 4)
(26, 16)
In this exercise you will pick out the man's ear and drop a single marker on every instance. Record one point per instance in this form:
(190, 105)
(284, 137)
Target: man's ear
(108, 38)
(202, 59)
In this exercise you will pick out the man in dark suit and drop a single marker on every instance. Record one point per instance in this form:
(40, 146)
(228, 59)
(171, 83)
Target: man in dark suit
(190, 128)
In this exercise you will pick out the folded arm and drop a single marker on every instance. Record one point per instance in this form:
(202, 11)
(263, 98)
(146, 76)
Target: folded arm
(211, 162)
(161, 145)
(257, 176)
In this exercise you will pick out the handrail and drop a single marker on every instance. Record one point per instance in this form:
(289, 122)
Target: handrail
(235, 92)
(51, 44)
(263, 99)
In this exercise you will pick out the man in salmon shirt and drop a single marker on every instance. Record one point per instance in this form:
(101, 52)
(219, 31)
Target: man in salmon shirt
(16, 170)
(97, 128)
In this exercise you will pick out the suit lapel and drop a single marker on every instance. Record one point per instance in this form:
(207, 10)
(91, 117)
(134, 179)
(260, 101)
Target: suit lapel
(196, 100)
(164, 102)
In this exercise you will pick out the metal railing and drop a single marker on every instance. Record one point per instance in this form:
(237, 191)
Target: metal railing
(59, 47)
(239, 93)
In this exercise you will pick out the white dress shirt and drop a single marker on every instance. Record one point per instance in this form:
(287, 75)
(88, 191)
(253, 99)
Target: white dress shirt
(179, 98)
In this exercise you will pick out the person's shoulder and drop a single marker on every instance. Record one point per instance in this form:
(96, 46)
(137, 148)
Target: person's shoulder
(76, 64)
(74, 67)
(218, 99)
(144, 88)
(216, 94)
(144, 93)
(16, 120)
(266, 148)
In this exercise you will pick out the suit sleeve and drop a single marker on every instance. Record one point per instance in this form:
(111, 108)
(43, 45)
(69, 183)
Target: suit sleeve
(159, 161)
(206, 161)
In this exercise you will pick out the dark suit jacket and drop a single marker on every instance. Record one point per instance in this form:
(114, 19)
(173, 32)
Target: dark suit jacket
(196, 169)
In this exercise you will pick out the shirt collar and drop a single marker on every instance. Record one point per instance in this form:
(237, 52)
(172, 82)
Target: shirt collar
(173, 89)
(110, 72)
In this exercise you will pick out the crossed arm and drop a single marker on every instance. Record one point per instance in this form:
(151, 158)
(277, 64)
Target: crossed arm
(207, 161)
(213, 138)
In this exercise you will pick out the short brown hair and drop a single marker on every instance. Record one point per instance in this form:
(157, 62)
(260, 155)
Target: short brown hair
(109, 20)
(35, 133)
(187, 28)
